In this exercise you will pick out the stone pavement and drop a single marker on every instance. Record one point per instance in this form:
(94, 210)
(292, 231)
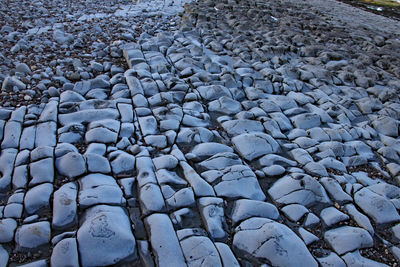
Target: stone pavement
(243, 138)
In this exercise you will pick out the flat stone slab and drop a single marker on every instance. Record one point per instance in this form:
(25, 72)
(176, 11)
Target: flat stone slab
(254, 145)
(347, 238)
(105, 237)
(268, 240)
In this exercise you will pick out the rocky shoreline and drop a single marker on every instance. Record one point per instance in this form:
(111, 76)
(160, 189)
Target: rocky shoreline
(231, 133)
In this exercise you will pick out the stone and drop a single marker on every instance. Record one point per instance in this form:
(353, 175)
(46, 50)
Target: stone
(226, 254)
(200, 187)
(386, 125)
(303, 190)
(239, 181)
(254, 145)
(10, 82)
(268, 240)
(3, 257)
(65, 253)
(199, 250)
(225, 105)
(331, 216)
(220, 161)
(294, 211)
(7, 229)
(32, 236)
(42, 171)
(244, 209)
(148, 125)
(12, 134)
(236, 127)
(359, 218)
(7, 159)
(307, 237)
(355, 259)
(38, 198)
(71, 165)
(101, 135)
(123, 163)
(306, 121)
(212, 213)
(346, 238)
(206, 150)
(317, 169)
(335, 191)
(65, 206)
(105, 237)
(165, 162)
(331, 260)
(97, 189)
(97, 163)
(379, 208)
(164, 242)
(151, 199)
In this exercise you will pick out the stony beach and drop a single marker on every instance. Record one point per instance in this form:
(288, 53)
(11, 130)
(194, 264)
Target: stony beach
(204, 133)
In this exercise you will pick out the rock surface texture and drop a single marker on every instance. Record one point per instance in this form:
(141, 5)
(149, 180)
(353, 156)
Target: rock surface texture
(208, 133)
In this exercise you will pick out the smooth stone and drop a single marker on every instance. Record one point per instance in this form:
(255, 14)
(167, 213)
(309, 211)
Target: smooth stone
(244, 209)
(99, 189)
(236, 127)
(354, 259)
(226, 254)
(65, 253)
(346, 238)
(254, 145)
(331, 260)
(38, 198)
(71, 165)
(205, 150)
(331, 216)
(200, 250)
(212, 212)
(124, 163)
(42, 171)
(65, 206)
(268, 240)
(97, 163)
(294, 211)
(165, 245)
(7, 229)
(32, 236)
(105, 237)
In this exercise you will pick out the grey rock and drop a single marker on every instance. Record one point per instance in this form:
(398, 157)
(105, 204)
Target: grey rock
(62, 38)
(151, 199)
(307, 237)
(164, 241)
(165, 162)
(244, 209)
(105, 237)
(42, 171)
(199, 250)
(239, 181)
(10, 82)
(178, 199)
(148, 125)
(38, 198)
(3, 257)
(254, 145)
(101, 135)
(200, 187)
(46, 134)
(354, 259)
(386, 125)
(268, 240)
(294, 211)
(379, 208)
(347, 238)
(65, 206)
(99, 189)
(335, 191)
(7, 159)
(236, 127)
(220, 161)
(306, 120)
(71, 165)
(205, 150)
(32, 236)
(331, 260)
(123, 163)
(212, 212)
(213, 92)
(226, 254)
(12, 134)
(97, 163)
(7, 229)
(65, 253)
(331, 216)
(359, 218)
(225, 105)
(303, 190)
